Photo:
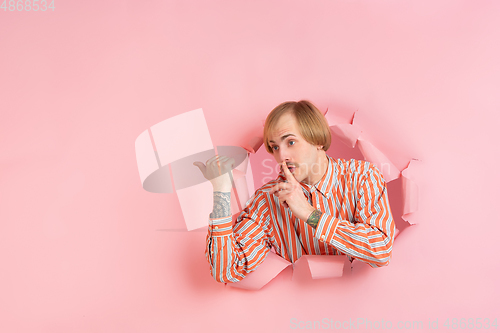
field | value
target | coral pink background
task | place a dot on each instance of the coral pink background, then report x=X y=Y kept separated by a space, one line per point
x=81 y=243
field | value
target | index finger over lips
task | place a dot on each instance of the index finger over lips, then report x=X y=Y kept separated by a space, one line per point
x=289 y=177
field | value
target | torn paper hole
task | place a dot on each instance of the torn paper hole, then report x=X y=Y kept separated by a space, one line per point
x=347 y=132
x=305 y=268
x=267 y=270
x=158 y=156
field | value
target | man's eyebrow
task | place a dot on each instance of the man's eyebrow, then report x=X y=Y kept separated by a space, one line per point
x=283 y=137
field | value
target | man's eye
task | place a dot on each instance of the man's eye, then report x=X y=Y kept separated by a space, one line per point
x=274 y=148
x=291 y=142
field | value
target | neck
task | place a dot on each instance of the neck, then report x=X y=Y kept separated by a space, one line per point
x=317 y=171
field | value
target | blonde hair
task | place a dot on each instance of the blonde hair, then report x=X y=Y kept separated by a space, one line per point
x=313 y=126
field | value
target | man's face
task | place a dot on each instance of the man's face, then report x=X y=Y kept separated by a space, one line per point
x=288 y=145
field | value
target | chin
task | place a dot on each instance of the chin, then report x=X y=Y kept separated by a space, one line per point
x=297 y=177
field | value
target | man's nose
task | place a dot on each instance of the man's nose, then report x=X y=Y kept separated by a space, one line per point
x=284 y=156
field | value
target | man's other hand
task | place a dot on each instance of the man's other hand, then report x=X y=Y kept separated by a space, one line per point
x=291 y=195
x=217 y=171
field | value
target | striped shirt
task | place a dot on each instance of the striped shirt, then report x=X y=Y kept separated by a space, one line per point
x=356 y=221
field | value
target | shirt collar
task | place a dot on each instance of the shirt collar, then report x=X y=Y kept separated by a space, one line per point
x=326 y=183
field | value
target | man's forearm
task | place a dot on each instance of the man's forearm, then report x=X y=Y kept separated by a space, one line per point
x=314 y=218
x=222 y=205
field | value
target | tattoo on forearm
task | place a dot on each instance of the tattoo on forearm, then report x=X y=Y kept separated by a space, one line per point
x=222 y=205
x=313 y=219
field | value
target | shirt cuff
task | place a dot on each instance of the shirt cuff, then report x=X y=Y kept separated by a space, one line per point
x=326 y=228
x=220 y=227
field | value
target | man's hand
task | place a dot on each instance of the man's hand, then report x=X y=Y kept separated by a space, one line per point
x=217 y=171
x=291 y=195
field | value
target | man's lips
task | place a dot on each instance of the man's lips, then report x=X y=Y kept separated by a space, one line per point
x=290 y=167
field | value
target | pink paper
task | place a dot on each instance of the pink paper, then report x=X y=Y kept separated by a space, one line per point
x=243 y=181
x=322 y=267
x=410 y=193
x=254 y=144
x=181 y=136
x=80 y=83
x=145 y=155
x=396 y=233
x=372 y=154
x=154 y=177
x=241 y=186
x=346 y=131
x=333 y=119
x=318 y=267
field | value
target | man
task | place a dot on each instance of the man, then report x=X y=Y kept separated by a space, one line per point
x=317 y=206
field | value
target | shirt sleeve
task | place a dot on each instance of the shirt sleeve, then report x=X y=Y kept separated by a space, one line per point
x=370 y=237
x=235 y=251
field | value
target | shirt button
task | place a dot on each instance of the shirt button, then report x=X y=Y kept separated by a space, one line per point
x=323 y=237
x=318 y=206
x=216 y=227
x=328 y=195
